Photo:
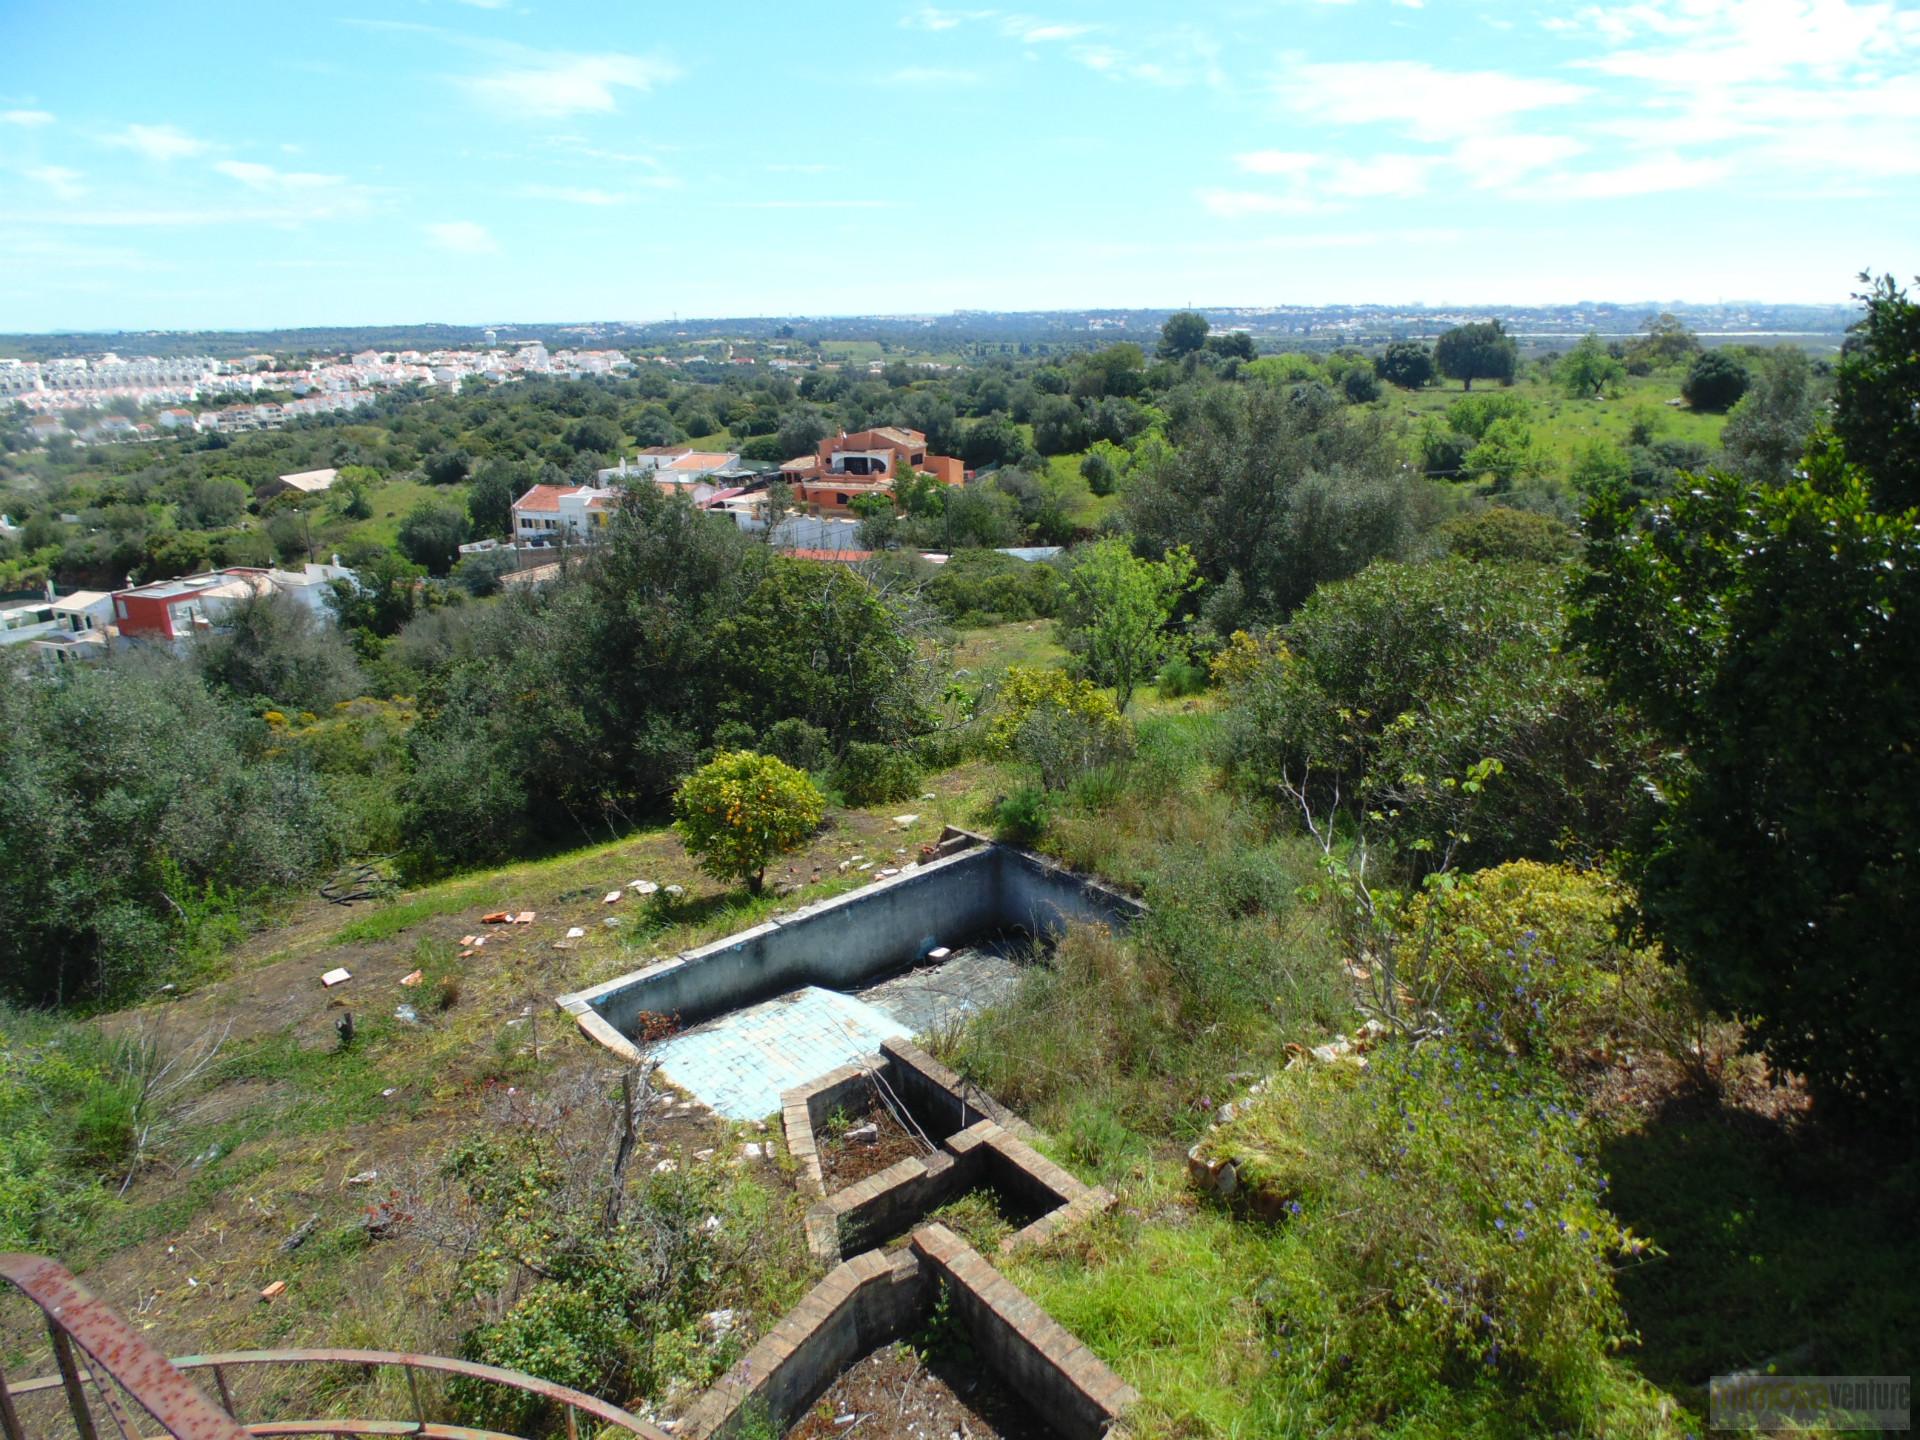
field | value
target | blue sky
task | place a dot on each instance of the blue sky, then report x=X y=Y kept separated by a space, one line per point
x=222 y=164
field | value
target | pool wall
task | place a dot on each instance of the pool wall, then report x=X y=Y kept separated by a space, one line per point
x=979 y=890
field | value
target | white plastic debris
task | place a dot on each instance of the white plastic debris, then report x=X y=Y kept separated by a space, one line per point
x=613 y=896
x=574 y=932
x=338 y=976
x=904 y=820
x=939 y=952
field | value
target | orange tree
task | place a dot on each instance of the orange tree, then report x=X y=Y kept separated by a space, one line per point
x=741 y=809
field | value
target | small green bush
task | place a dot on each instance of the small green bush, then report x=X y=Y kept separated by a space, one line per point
x=870 y=773
x=1021 y=815
x=799 y=744
x=1180 y=677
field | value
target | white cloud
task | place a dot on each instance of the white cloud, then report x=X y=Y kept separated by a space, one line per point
x=63 y=182
x=158 y=142
x=930 y=18
x=554 y=85
x=812 y=204
x=576 y=195
x=266 y=178
x=1276 y=162
x=1425 y=101
x=463 y=237
x=1654 y=176
x=1380 y=175
x=1029 y=31
x=1492 y=161
x=1237 y=204
x=26 y=117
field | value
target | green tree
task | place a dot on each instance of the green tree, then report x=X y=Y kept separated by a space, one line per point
x=1715 y=381
x=741 y=810
x=1117 y=609
x=1507 y=454
x=1272 y=496
x=270 y=647
x=1766 y=433
x=1407 y=364
x=447 y=467
x=1394 y=684
x=1664 y=341
x=594 y=435
x=1098 y=470
x=1771 y=636
x=1183 y=333
x=1480 y=351
x=432 y=535
x=1874 y=413
x=1589 y=371
x=496 y=485
x=801 y=430
x=135 y=813
x=214 y=502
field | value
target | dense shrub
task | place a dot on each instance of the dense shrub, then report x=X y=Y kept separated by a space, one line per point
x=984 y=587
x=1501 y=533
x=1025 y=689
x=803 y=746
x=1528 y=956
x=870 y=773
x=1444 y=1232
x=1399 y=681
x=137 y=816
x=1715 y=381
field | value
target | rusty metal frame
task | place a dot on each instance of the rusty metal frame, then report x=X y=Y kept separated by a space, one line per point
x=118 y=1353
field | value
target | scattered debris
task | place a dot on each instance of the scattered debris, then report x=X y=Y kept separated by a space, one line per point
x=890 y=870
x=864 y=865
x=929 y=796
x=299 y=1236
x=676 y=891
x=525 y=917
x=406 y=1014
x=665 y=1167
x=414 y=979
x=274 y=1291
x=337 y=976
x=904 y=820
x=467 y=954
x=343 y=1027
x=719 y=1323
x=389 y=1092
x=642 y=887
x=751 y=1151
x=939 y=952
x=468 y=939
x=498 y=917
x=868 y=1134
x=575 y=932
x=611 y=921
x=365 y=1177
x=615 y=896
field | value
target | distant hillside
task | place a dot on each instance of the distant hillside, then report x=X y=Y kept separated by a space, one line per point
x=1290 y=326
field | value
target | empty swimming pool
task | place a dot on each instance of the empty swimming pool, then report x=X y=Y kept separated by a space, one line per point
x=771 y=1007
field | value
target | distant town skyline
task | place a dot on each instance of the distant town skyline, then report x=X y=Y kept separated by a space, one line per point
x=460 y=160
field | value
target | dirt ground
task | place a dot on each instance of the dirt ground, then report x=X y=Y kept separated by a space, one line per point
x=845 y=1162
x=895 y=1395
x=287 y=1125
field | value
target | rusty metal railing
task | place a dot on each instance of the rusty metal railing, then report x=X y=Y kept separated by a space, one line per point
x=120 y=1359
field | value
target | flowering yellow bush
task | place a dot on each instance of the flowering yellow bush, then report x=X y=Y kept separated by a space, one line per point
x=737 y=812
x=1028 y=688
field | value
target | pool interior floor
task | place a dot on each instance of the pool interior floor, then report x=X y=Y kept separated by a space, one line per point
x=738 y=1063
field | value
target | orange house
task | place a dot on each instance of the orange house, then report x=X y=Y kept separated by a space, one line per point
x=867 y=462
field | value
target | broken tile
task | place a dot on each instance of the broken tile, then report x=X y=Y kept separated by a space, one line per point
x=525 y=917
x=274 y=1291
x=574 y=932
x=334 y=977
x=414 y=979
x=613 y=896
x=498 y=917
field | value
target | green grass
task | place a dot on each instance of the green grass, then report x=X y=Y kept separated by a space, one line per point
x=987 y=652
x=391 y=502
x=1562 y=426
x=1083 y=505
